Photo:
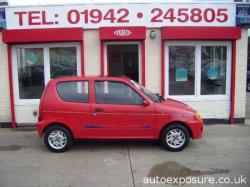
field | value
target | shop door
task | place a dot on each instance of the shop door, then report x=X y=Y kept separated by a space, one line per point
x=123 y=60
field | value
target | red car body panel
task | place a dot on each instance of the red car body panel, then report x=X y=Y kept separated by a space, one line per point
x=115 y=121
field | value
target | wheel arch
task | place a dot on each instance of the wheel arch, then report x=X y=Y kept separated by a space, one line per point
x=58 y=124
x=176 y=122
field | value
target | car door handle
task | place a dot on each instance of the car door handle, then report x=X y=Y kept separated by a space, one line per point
x=99 y=109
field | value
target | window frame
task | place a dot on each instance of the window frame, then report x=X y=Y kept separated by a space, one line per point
x=116 y=103
x=46 y=62
x=197 y=88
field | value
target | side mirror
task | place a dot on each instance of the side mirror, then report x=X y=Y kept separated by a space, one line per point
x=145 y=103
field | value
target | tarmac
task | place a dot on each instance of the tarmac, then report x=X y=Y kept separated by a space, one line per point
x=224 y=151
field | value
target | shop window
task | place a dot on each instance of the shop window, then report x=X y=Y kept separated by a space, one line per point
x=34 y=65
x=181 y=70
x=213 y=70
x=30 y=73
x=198 y=70
x=108 y=92
x=74 y=91
x=63 y=61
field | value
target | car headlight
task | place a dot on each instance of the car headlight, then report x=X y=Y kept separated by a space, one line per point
x=197 y=117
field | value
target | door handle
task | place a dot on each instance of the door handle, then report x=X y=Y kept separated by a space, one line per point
x=99 y=109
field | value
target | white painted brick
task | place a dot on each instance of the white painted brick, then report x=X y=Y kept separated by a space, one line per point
x=92 y=57
x=5 y=114
x=24 y=113
x=153 y=61
x=241 y=70
x=208 y=110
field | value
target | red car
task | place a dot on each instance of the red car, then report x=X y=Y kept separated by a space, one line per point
x=112 y=108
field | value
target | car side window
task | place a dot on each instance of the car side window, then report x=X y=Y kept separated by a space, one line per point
x=111 y=92
x=74 y=91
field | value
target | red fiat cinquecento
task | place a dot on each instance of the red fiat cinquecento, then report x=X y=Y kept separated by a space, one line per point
x=112 y=108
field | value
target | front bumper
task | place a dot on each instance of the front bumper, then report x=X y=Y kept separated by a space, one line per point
x=196 y=128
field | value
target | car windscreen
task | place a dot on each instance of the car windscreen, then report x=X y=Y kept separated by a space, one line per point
x=155 y=97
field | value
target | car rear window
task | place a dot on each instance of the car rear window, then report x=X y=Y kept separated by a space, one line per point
x=74 y=91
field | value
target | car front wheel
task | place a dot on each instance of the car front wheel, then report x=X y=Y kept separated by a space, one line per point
x=57 y=138
x=175 y=137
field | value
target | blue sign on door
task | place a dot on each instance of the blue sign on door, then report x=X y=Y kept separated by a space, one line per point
x=243 y=14
x=2 y=18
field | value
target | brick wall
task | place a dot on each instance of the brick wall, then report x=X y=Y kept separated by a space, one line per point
x=153 y=61
x=207 y=109
x=92 y=55
x=241 y=71
x=5 y=114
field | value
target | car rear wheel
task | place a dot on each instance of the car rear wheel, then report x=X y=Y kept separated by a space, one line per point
x=175 y=137
x=58 y=138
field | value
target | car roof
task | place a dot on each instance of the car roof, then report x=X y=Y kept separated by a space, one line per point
x=74 y=78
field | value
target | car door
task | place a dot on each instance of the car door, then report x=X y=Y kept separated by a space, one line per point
x=74 y=108
x=119 y=112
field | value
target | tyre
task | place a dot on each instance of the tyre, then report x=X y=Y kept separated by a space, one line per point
x=58 y=138
x=175 y=137
x=248 y=85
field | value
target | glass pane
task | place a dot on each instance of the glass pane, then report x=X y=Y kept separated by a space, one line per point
x=181 y=70
x=213 y=70
x=77 y=91
x=63 y=61
x=123 y=60
x=115 y=93
x=30 y=72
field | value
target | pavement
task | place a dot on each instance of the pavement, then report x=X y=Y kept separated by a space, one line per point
x=224 y=151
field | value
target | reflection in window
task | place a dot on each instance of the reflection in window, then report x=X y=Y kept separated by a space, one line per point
x=77 y=91
x=116 y=93
x=30 y=66
x=213 y=70
x=181 y=70
x=63 y=61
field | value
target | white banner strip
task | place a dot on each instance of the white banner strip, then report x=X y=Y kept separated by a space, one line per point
x=111 y=15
